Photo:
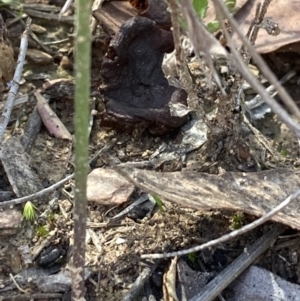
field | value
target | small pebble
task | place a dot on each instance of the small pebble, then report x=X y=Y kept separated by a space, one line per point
x=65 y=63
x=39 y=57
x=38 y=29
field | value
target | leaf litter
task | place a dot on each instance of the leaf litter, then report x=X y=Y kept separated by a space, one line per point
x=114 y=253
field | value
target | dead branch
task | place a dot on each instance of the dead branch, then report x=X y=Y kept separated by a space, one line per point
x=37 y=195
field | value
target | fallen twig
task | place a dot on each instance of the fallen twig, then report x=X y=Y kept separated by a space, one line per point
x=231 y=235
x=37 y=194
x=28 y=297
x=16 y=284
x=139 y=282
x=51 y=17
x=65 y=8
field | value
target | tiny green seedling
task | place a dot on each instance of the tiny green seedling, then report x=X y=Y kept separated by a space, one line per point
x=42 y=231
x=29 y=211
x=192 y=257
x=283 y=152
x=201 y=7
x=237 y=221
x=159 y=203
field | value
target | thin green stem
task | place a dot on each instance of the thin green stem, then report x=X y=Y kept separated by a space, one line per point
x=82 y=67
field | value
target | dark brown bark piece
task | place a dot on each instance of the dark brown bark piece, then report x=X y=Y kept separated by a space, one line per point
x=135 y=90
x=60 y=89
x=32 y=128
x=111 y=15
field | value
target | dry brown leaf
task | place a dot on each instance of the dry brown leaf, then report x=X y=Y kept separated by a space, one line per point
x=254 y=193
x=39 y=57
x=285 y=13
x=169 y=283
x=50 y=119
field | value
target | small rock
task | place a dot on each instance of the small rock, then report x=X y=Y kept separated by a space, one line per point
x=39 y=57
x=25 y=254
x=38 y=29
x=107 y=187
x=15 y=262
x=120 y=241
x=65 y=63
x=10 y=222
x=259 y=284
x=29 y=233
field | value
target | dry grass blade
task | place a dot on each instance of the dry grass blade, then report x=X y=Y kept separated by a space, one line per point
x=203 y=41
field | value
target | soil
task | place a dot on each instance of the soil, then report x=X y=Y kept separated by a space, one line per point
x=114 y=255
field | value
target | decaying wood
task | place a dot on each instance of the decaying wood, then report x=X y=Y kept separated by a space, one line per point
x=111 y=15
x=31 y=130
x=140 y=282
x=16 y=163
x=253 y=193
x=5 y=195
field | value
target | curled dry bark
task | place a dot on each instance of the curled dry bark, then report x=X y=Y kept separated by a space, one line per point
x=136 y=92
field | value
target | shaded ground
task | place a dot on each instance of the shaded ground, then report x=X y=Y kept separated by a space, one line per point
x=114 y=257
